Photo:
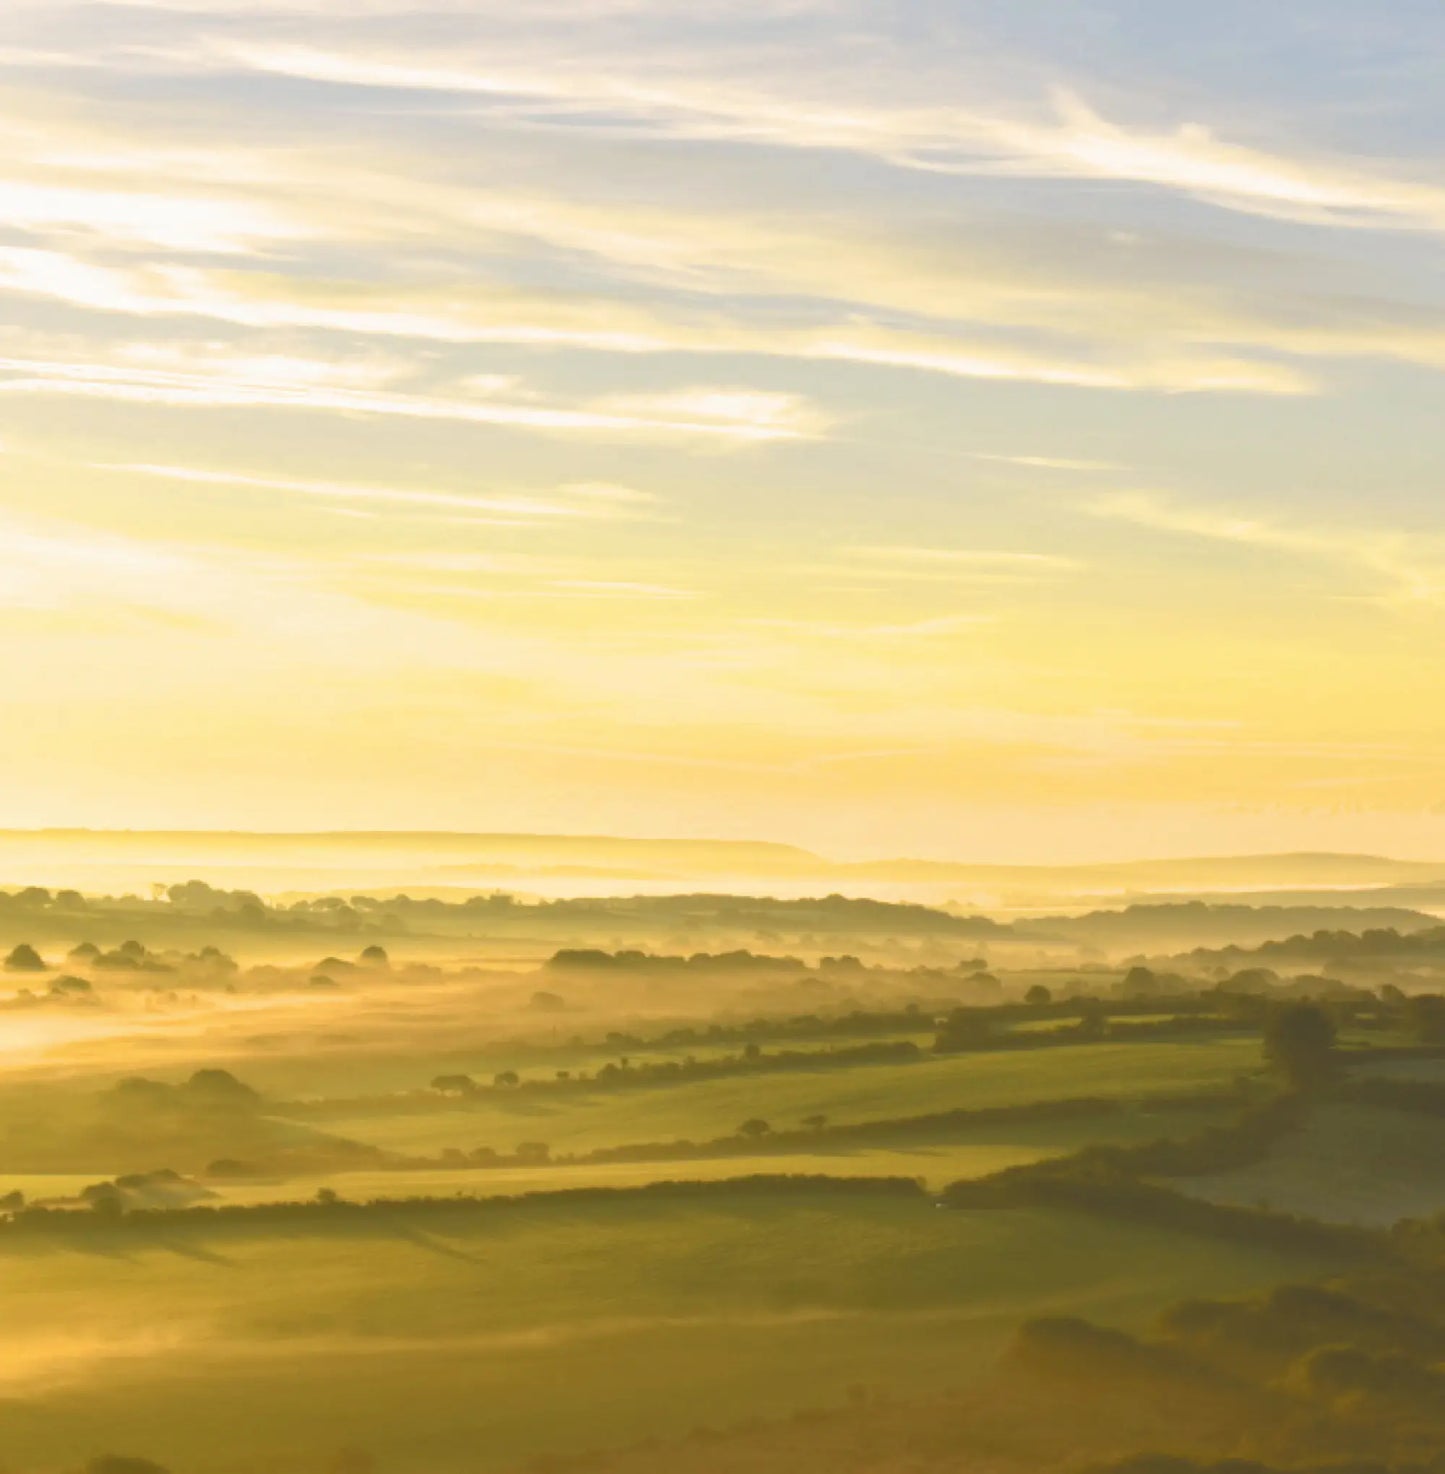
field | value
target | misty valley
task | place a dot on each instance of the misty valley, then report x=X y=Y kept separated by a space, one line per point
x=718 y=1181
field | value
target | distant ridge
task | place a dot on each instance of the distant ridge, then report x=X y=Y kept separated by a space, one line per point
x=1304 y=867
x=398 y=858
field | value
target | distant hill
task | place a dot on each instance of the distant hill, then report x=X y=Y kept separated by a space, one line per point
x=1234 y=872
x=563 y=864
x=1429 y=897
x=1180 y=925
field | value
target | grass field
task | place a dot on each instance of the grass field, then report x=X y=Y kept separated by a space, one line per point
x=554 y=1325
x=580 y=1120
x=467 y=1340
x=1427 y=1071
x=969 y=1152
x=1345 y=1164
x=348 y=1070
x=975 y=1152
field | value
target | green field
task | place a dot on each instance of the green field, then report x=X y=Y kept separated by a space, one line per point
x=974 y=1152
x=1345 y=1164
x=581 y=1120
x=1426 y=1071
x=357 y=1075
x=471 y=1345
x=466 y=1337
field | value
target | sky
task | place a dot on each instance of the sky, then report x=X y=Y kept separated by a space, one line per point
x=958 y=428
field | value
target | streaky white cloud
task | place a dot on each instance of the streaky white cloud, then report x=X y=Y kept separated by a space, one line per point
x=1045 y=463
x=1412 y=574
x=571 y=503
x=975 y=559
x=278 y=305
x=1192 y=160
x=1168 y=374
x=723 y=418
x=767 y=415
x=171 y=221
x=1078 y=143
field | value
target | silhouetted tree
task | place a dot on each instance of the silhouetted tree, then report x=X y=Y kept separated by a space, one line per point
x=1139 y=982
x=24 y=958
x=1093 y=1021
x=1425 y=1017
x=965 y=1028
x=1299 y=1041
x=1253 y=980
x=106 y=1200
x=454 y=1085
x=755 y=1126
x=1038 y=996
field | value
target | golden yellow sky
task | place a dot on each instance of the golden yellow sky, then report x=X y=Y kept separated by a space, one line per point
x=892 y=429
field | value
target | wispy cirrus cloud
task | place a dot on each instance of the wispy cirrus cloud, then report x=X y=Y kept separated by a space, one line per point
x=272 y=304
x=1412 y=574
x=1077 y=142
x=718 y=415
x=1045 y=463
x=935 y=562
x=169 y=221
x=580 y=502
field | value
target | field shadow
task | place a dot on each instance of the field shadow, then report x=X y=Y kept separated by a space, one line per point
x=410 y=1234
x=200 y=1252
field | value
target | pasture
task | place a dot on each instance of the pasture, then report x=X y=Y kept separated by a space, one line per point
x=1344 y=1164
x=966 y=1153
x=216 y=1346
x=580 y=1119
